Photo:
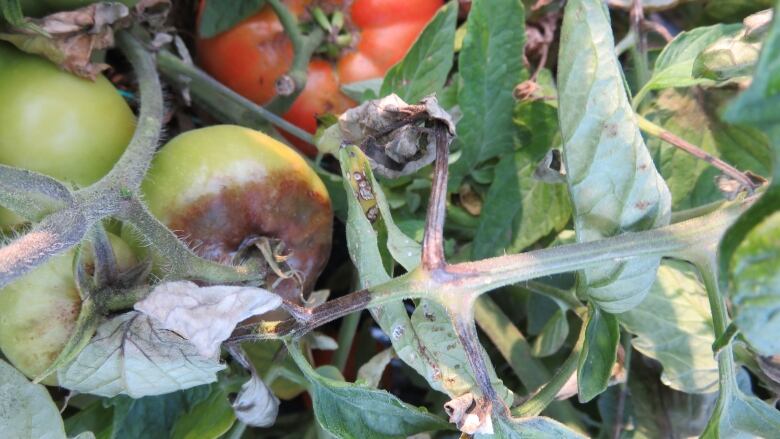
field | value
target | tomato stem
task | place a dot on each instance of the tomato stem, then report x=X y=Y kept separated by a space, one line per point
x=226 y=104
x=303 y=46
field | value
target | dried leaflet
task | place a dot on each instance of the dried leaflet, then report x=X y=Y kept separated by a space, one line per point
x=397 y=137
x=205 y=315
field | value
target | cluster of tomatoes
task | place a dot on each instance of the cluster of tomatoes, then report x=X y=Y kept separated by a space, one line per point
x=218 y=187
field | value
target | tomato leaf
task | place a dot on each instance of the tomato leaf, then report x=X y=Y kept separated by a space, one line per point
x=150 y=416
x=220 y=15
x=537 y=427
x=612 y=181
x=491 y=65
x=349 y=410
x=674 y=66
x=738 y=414
x=756 y=286
x=733 y=55
x=26 y=409
x=426 y=65
x=206 y=316
x=520 y=209
x=553 y=335
x=694 y=117
x=599 y=353
x=674 y=326
x=208 y=419
x=132 y=355
x=757 y=106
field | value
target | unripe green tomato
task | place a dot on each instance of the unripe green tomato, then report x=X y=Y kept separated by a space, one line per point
x=38 y=8
x=58 y=124
x=39 y=310
x=219 y=186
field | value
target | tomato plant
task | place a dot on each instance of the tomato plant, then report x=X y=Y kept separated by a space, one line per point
x=596 y=225
x=251 y=56
x=58 y=124
x=38 y=311
x=223 y=186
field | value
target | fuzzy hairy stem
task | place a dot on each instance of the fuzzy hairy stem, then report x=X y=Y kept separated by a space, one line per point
x=56 y=234
x=30 y=194
x=129 y=171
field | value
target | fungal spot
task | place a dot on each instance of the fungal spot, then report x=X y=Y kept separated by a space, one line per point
x=398 y=332
x=642 y=205
x=372 y=214
x=610 y=129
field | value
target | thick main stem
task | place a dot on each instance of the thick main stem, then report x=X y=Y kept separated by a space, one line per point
x=489 y=274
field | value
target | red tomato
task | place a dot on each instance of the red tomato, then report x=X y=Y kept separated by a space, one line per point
x=250 y=57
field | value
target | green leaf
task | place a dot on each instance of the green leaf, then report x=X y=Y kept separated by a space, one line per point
x=674 y=326
x=694 y=117
x=553 y=335
x=349 y=410
x=153 y=416
x=26 y=409
x=757 y=106
x=674 y=66
x=288 y=381
x=452 y=373
x=738 y=415
x=491 y=65
x=494 y=232
x=131 y=355
x=612 y=181
x=537 y=427
x=755 y=294
x=730 y=56
x=362 y=91
x=659 y=411
x=220 y=15
x=599 y=353
x=426 y=65
x=209 y=419
x=506 y=225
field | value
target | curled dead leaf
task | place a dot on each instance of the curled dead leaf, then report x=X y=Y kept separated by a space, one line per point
x=68 y=38
x=396 y=137
x=206 y=316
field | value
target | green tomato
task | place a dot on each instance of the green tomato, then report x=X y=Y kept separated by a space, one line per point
x=39 y=310
x=58 y=124
x=220 y=186
x=38 y=8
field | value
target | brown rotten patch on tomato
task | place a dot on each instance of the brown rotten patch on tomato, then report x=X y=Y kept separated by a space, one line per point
x=282 y=207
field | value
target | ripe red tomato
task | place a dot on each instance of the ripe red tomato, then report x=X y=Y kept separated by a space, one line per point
x=221 y=186
x=250 y=57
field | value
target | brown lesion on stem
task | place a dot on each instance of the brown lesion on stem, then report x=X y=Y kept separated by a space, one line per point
x=433 y=241
x=463 y=323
